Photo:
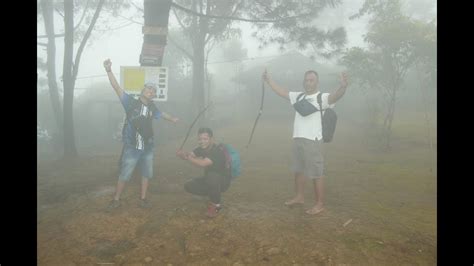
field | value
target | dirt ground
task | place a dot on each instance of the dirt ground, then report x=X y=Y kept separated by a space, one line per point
x=380 y=207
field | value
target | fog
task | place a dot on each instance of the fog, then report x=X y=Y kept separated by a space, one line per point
x=123 y=46
x=365 y=167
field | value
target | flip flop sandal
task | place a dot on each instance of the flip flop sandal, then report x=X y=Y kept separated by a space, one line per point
x=314 y=212
x=292 y=204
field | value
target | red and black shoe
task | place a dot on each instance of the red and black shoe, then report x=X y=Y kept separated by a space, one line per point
x=213 y=210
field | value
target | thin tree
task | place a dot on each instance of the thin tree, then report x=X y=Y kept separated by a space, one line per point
x=48 y=18
x=70 y=70
x=392 y=39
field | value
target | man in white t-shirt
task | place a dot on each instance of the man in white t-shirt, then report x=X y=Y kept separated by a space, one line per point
x=307 y=136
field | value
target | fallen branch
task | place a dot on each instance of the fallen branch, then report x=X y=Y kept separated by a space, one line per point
x=346 y=223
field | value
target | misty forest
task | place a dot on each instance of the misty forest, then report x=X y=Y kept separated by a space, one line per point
x=222 y=59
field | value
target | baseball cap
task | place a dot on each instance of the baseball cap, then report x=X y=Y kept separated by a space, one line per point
x=150 y=85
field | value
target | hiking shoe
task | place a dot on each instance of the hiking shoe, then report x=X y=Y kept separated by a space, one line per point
x=212 y=210
x=114 y=204
x=144 y=204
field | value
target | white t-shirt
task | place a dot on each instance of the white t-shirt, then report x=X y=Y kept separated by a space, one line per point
x=309 y=127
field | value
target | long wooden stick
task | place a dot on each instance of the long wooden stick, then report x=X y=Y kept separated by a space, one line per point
x=189 y=130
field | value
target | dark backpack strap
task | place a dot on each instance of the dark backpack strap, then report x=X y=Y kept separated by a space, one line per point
x=131 y=106
x=299 y=96
x=152 y=107
x=320 y=102
x=137 y=103
x=227 y=158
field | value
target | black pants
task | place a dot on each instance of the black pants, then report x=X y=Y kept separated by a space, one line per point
x=211 y=185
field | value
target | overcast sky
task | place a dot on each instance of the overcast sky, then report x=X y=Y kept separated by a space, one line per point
x=123 y=46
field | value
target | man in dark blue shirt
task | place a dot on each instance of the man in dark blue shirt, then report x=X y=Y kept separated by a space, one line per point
x=137 y=136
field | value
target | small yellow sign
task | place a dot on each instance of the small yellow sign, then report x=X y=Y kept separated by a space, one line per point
x=133 y=78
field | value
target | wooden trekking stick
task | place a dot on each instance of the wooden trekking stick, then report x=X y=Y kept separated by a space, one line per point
x=189 y=130
x=259 y=113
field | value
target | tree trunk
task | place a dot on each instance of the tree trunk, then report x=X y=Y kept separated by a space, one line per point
x=389 y=118
x=425 y=106
x=68 y=81
x=48 y=15
x=199 y=44
x=70 y=70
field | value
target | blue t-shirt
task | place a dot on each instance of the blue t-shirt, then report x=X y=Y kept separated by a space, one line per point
x=139 y=116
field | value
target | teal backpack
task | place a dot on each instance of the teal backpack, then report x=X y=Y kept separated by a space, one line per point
x=232 y=160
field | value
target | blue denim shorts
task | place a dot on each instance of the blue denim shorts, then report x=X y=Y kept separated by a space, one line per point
x=132 y=157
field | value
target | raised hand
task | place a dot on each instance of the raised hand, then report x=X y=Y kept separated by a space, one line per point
x=265 y=76
x=108 y=65
x=182 y=154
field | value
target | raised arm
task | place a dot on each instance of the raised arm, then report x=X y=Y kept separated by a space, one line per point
x=113 y=81
x=169 y=117
x=275 y=87
x=339 y=92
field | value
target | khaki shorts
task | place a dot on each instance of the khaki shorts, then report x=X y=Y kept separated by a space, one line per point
x=308 y=157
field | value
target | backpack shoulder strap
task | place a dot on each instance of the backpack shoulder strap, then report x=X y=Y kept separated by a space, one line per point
x=299 y=96
x=152 y=106
x=320 y=100
x=221 y=147
x=228 y=160
x=132 y=105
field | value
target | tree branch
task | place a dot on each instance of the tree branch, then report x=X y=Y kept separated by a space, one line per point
x=59 y=12
x=209 y=50
x=188 y=54
x=84 y=39
x=83 y=15
x=236 y=18
x=46 y=36
x=179 y=20
x=116 y=28
x=205 y=24
x=137 y=7
x=266 y=7
x=131 y=20
x=75 y=27
x=208 y=38
x=237 y=7
x=194 y=24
